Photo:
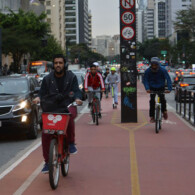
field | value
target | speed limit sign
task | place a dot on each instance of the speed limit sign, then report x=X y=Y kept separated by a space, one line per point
x=128 y=17
x=127 y=4
x=128 y=33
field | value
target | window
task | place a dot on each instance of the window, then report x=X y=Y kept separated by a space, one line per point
x=48 y=11
x=70 y=20
x=71 y=8
x=70 y=14
x=48 y=3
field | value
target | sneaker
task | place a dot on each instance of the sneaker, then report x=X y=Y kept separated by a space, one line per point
x=152 y=120
x=72 y=149
x=45 y=168
x=116 y=103
x=165 y=115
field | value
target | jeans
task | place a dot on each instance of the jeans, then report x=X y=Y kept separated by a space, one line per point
x=152 y=101
x=46 y=138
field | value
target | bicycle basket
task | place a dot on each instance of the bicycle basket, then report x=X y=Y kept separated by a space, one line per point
x=55 y=122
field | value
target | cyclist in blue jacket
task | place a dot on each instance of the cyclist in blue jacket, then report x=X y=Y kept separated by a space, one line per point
x=154 y=80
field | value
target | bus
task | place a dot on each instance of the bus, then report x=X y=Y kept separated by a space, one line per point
x=38 y=67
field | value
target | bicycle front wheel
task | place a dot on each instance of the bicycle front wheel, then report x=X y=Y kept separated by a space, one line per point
x=96 y=114
x=65 y=165
x=157 y=121
x=54 y=167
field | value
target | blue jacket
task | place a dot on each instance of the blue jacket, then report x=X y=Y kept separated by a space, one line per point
x=157 y=79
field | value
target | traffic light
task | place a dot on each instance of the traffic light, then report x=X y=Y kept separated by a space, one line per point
x=164 y=55
x=183 y=62
x=143 y=58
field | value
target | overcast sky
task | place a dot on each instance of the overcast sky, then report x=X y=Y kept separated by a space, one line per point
x=105 y=17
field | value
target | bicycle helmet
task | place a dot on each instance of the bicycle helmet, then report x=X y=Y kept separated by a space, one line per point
x=113 y=69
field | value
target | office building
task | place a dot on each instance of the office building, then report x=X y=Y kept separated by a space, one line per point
x=139 y=25
x=76 y=21
x=90 y=29
x=55 y=11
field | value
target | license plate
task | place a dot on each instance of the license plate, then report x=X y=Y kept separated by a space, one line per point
x=0 y=124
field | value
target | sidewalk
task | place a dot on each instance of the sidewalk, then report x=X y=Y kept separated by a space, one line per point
x=117 y=159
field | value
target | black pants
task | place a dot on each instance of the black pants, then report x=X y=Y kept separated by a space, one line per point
x=152 y=101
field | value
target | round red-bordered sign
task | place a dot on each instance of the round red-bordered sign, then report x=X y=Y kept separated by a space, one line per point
x=127 y=4
x=128 y=17
x=128 y=32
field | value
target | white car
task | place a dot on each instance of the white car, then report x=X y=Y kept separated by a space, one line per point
x=42 y=75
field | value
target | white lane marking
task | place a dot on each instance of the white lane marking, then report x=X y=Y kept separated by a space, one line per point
x=169 y=122
x=29 y=180
x=32 y=177
x=9 y=169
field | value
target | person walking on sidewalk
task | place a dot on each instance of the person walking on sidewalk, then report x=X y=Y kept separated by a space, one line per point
x=154 y=80
x=94 y=82
x=59 y=84
x=113 y=79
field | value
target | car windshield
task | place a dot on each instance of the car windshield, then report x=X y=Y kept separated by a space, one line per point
x=11 y=87
x=189 y=80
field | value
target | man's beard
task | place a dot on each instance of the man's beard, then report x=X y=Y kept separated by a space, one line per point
x=59 y=72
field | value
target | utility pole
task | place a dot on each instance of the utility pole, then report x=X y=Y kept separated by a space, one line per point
x=128 y=61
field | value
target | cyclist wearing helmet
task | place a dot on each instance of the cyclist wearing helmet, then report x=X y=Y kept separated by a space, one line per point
x=94 y=82
x=113 y=78
x=154 y=80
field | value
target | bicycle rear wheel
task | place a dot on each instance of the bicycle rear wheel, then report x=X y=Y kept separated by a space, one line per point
x=54 y=167
x=157 y=121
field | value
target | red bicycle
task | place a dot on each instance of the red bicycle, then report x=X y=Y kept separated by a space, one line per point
x=56 y=125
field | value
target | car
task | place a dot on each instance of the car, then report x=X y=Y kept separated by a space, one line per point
x=42 y=75
x=186 y=82
x=17 y=110
x=80 y=77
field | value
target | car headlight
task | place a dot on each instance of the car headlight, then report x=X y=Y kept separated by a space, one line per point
x=20 y=106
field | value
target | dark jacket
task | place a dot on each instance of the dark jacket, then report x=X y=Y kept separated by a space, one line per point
x=54 y=101
x=157 y=79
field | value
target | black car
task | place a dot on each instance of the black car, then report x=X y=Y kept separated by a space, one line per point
x=187 y=82
x=16 y=107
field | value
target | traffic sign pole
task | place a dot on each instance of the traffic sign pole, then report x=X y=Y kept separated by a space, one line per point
x=128 y=61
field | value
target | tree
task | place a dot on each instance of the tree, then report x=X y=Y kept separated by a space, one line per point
x=185 y=21
x=84 y=54
x=21 y=34
x=49 y=50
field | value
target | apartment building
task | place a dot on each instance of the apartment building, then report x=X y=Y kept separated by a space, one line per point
x=77 y=21
x=90 y=29
x=55 y=11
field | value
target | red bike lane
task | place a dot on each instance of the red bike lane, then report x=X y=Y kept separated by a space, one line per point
x=115 y=158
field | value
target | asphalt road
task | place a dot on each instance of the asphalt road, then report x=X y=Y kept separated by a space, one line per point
x=14 y=144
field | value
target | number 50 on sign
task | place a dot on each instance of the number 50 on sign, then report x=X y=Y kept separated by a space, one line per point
x=128 y=18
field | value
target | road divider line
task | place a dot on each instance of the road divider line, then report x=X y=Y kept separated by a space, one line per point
x=9 y=169
x=29 y=180
x=135 y=187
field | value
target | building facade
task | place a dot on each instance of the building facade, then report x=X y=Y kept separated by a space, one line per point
x=55 y=11
x=106 y=45
x=14 y=5
x=90 y=29
x=76 y=21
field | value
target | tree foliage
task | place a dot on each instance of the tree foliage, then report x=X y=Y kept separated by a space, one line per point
x=84 y=54
x=185 y=21
x=22 y=33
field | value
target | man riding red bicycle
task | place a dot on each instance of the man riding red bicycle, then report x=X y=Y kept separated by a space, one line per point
x=59 y=86
x=94 y=82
